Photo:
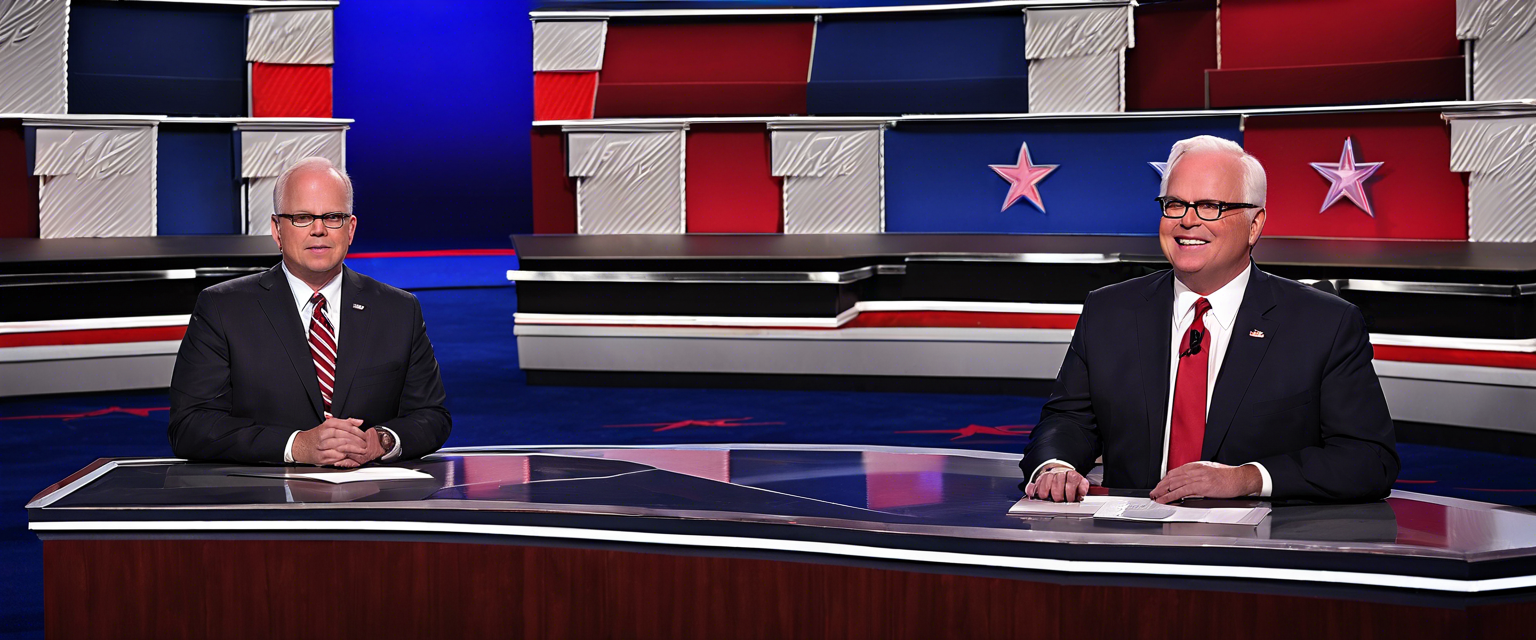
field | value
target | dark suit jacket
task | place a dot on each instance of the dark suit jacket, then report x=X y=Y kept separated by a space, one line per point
x=244 y=379
x=1303 y=400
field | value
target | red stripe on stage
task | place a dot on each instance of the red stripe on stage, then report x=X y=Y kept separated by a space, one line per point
x=1430 y=355
x=445 y=253
x=963 y=320
x=92 y=336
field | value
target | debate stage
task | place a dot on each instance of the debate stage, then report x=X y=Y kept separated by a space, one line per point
x=743 y=541
x=1453 y=324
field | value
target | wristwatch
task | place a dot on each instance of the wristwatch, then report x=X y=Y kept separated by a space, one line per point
x=386 y=440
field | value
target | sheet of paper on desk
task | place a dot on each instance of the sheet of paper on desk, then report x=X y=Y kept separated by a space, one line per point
x=365 y=474
x=1089 y=506
x=1143 y=509
x=1138 y=509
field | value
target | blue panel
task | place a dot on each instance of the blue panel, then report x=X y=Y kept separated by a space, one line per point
x=440 y=152
x=928 y=63
x=199 y=184
x=134 y=57
x=937 y=178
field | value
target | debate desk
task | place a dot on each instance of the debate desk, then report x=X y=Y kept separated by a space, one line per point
x=742 y=541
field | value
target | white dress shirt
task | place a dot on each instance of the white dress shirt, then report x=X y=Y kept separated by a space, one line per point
x=302 y=293
x=1218 y=324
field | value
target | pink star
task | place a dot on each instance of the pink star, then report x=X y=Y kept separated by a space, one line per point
x=1022 y=177
x=1347 y=178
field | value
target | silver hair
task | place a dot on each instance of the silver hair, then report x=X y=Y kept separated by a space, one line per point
x=310 y=163
x=1255 y=184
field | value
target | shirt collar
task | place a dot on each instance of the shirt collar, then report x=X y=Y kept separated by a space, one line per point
x=1224 y=301
x=302 y=293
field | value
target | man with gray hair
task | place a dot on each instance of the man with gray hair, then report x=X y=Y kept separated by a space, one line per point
x=266 y=373
x=1215 y=379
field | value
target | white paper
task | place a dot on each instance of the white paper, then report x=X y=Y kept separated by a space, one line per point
x=1146 y=510
x=1137 y=509
x=365 y=474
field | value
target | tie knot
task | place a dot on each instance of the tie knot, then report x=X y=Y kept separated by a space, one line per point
x=1201 y=306
x=319 y=300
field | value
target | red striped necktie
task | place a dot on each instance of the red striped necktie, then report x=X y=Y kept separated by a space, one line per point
x=1186 y=429
x=322 y=349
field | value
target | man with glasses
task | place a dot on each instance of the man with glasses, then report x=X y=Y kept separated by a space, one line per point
x=1215 y=379
x=309 y=362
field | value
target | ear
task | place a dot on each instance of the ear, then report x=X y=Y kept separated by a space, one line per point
x=275 y=237
x=1256 y=227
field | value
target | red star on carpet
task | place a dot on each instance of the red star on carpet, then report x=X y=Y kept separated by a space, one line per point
x=668 y=426
x=142 y=412
x=976 y=430
x=1022 y=177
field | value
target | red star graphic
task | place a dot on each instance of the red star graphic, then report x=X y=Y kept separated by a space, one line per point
x=142 y=412
x=668 y=426
x=976 y=429
x=1022 y=177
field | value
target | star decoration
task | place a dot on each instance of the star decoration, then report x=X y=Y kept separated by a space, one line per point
x=976 y=429
x=1160 y=167
x=1347 y=178
x=1022 y=178
x=716 y=422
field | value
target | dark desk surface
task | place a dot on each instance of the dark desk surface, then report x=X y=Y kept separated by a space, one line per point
x=917 y=505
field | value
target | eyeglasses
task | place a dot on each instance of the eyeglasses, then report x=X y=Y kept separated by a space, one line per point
x=1207 y=210
x=333 y=220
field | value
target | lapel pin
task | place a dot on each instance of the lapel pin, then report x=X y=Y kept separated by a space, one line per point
x=360 y=308
x=1255 y=334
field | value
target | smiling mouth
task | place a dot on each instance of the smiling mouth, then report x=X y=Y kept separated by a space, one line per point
x=1191 y=242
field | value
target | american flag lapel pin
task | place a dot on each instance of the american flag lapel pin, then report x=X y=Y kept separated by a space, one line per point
x=1255 y=334
x=360 y=308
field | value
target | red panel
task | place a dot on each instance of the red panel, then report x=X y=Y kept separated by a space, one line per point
x=1294 y=33
x=554 y=194
x=1399 y=81
x=564 y=96
x=18 y=189
x=1414 y=195
x=290 y=90
x=731 y=188
x=706 y=68
x=1175 y=44
x=93 y=336
x=1469 y=357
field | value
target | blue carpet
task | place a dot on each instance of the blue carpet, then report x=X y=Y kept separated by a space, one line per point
x=42 y=440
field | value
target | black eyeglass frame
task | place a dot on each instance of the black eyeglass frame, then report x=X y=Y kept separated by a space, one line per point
x=1221 y=207
x=324 y=218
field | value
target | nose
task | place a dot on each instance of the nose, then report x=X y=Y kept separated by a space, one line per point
x=1190 y=219
x=318 y=228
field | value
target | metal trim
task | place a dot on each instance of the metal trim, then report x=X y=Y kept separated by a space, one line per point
x=696 y=277
x=96 y=277
x=1433 y=288
x=1031 y=258
x=813 y=11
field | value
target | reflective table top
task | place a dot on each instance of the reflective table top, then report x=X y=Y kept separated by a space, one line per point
x=948 y=493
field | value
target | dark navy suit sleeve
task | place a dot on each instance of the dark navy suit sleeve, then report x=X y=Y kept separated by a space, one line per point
x=424 y=422
x=1357 y=458
x=201 y=427
x=1068 y=429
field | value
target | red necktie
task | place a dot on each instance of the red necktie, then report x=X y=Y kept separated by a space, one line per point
x=1187 y=428
x=322 y=349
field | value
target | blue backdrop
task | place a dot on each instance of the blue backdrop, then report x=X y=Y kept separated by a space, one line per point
x=443 y=97
x=937 y=178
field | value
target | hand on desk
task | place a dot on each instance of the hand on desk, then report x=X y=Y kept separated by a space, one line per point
x=1207 y=480
x=336 y=442
x=1058 y=484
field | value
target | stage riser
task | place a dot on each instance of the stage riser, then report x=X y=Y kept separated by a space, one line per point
x=1477 y=397
x=91 y=374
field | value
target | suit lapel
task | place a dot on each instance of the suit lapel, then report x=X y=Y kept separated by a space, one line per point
x=1244 y=353
x=1154 y=330
x=355 y=324
x=277 y=303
